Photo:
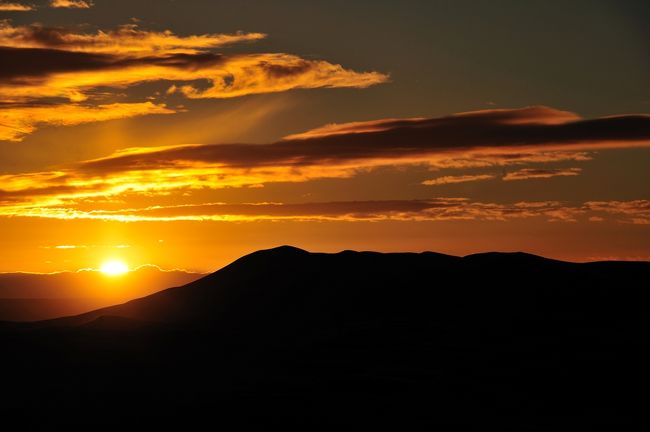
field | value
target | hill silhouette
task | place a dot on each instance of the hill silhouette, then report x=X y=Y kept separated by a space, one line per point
x=291 y=338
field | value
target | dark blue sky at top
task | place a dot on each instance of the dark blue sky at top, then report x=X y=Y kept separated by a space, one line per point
x=587 y=56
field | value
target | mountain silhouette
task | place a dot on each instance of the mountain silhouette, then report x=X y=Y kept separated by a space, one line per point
x=289 y=338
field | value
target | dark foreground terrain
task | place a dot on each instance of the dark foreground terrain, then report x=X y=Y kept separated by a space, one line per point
x=350 y=340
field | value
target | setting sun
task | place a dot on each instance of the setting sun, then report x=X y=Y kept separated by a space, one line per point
x=114 y=268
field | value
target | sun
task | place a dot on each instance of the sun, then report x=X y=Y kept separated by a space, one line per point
x=114 y=268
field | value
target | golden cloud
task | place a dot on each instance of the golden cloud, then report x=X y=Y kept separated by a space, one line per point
x=437 y=209
x=269 y=73
x=541 y=173
x=457 y=179
x=479 y=159
x=15 y=7
x=16 y=122
x=53 y=63
x=127 y=39
x=232 y=76
x=451 y=141
x=521 y=174
x=177 y=169
x=71 y=4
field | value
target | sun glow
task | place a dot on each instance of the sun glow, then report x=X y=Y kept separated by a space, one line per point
x=114 y=268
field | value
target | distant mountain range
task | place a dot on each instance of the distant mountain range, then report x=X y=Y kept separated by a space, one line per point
x=39 y=296
x=290 y=338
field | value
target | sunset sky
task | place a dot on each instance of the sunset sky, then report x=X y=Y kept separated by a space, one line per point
x=184 y=134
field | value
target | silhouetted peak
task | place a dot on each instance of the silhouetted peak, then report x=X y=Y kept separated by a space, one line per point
x=284 y=252
x=278 y=254
x=510 y=257
x=284 y=249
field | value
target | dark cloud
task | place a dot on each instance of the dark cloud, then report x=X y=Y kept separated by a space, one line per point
x=483 y=138
x=20 y=65
x=395 y=140
x=282 y=71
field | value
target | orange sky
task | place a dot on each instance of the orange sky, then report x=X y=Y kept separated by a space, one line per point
x=189 y=147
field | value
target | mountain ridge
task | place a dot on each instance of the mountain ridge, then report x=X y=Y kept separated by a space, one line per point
x=278 y=255
x=298 y=339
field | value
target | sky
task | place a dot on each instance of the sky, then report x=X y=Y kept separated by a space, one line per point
x=184 y=134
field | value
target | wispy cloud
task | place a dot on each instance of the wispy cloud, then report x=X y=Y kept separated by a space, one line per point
x=71 y=4
x=269 y=73
x=433 y=142
x=445 y=137
x=520 y=174
x=497 y=158
x=541 y=173
x=71 y=75
x=637 y=211
x=127 y=39
x=15 y=7
x=19 y=121
x=457 y=179
x=436 y=209
x=63 y=66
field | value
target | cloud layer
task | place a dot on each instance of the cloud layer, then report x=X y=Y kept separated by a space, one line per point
x=486 y=137
x=127 y=39
x=457 y=179
x=482 y=137
x=541 y=173
x=64 y=67
x=56 y=4
x=20 y=121
x=71 y=4
x=15 y=7
x=437 y=209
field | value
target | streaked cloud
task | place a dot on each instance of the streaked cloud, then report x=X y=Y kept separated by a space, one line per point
x=540 y=115
x=452 y=141
x=15 y=7
x=520 y=174
x=482 y=160
x=63 y=66
x=126 y=39
x=541 y=173
x=71 y=4
x=636 y=211
x=269 y=73
x=73 y=75
x=18 y=121
x=436 y=209
x=431 y=142
x=457 y=179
